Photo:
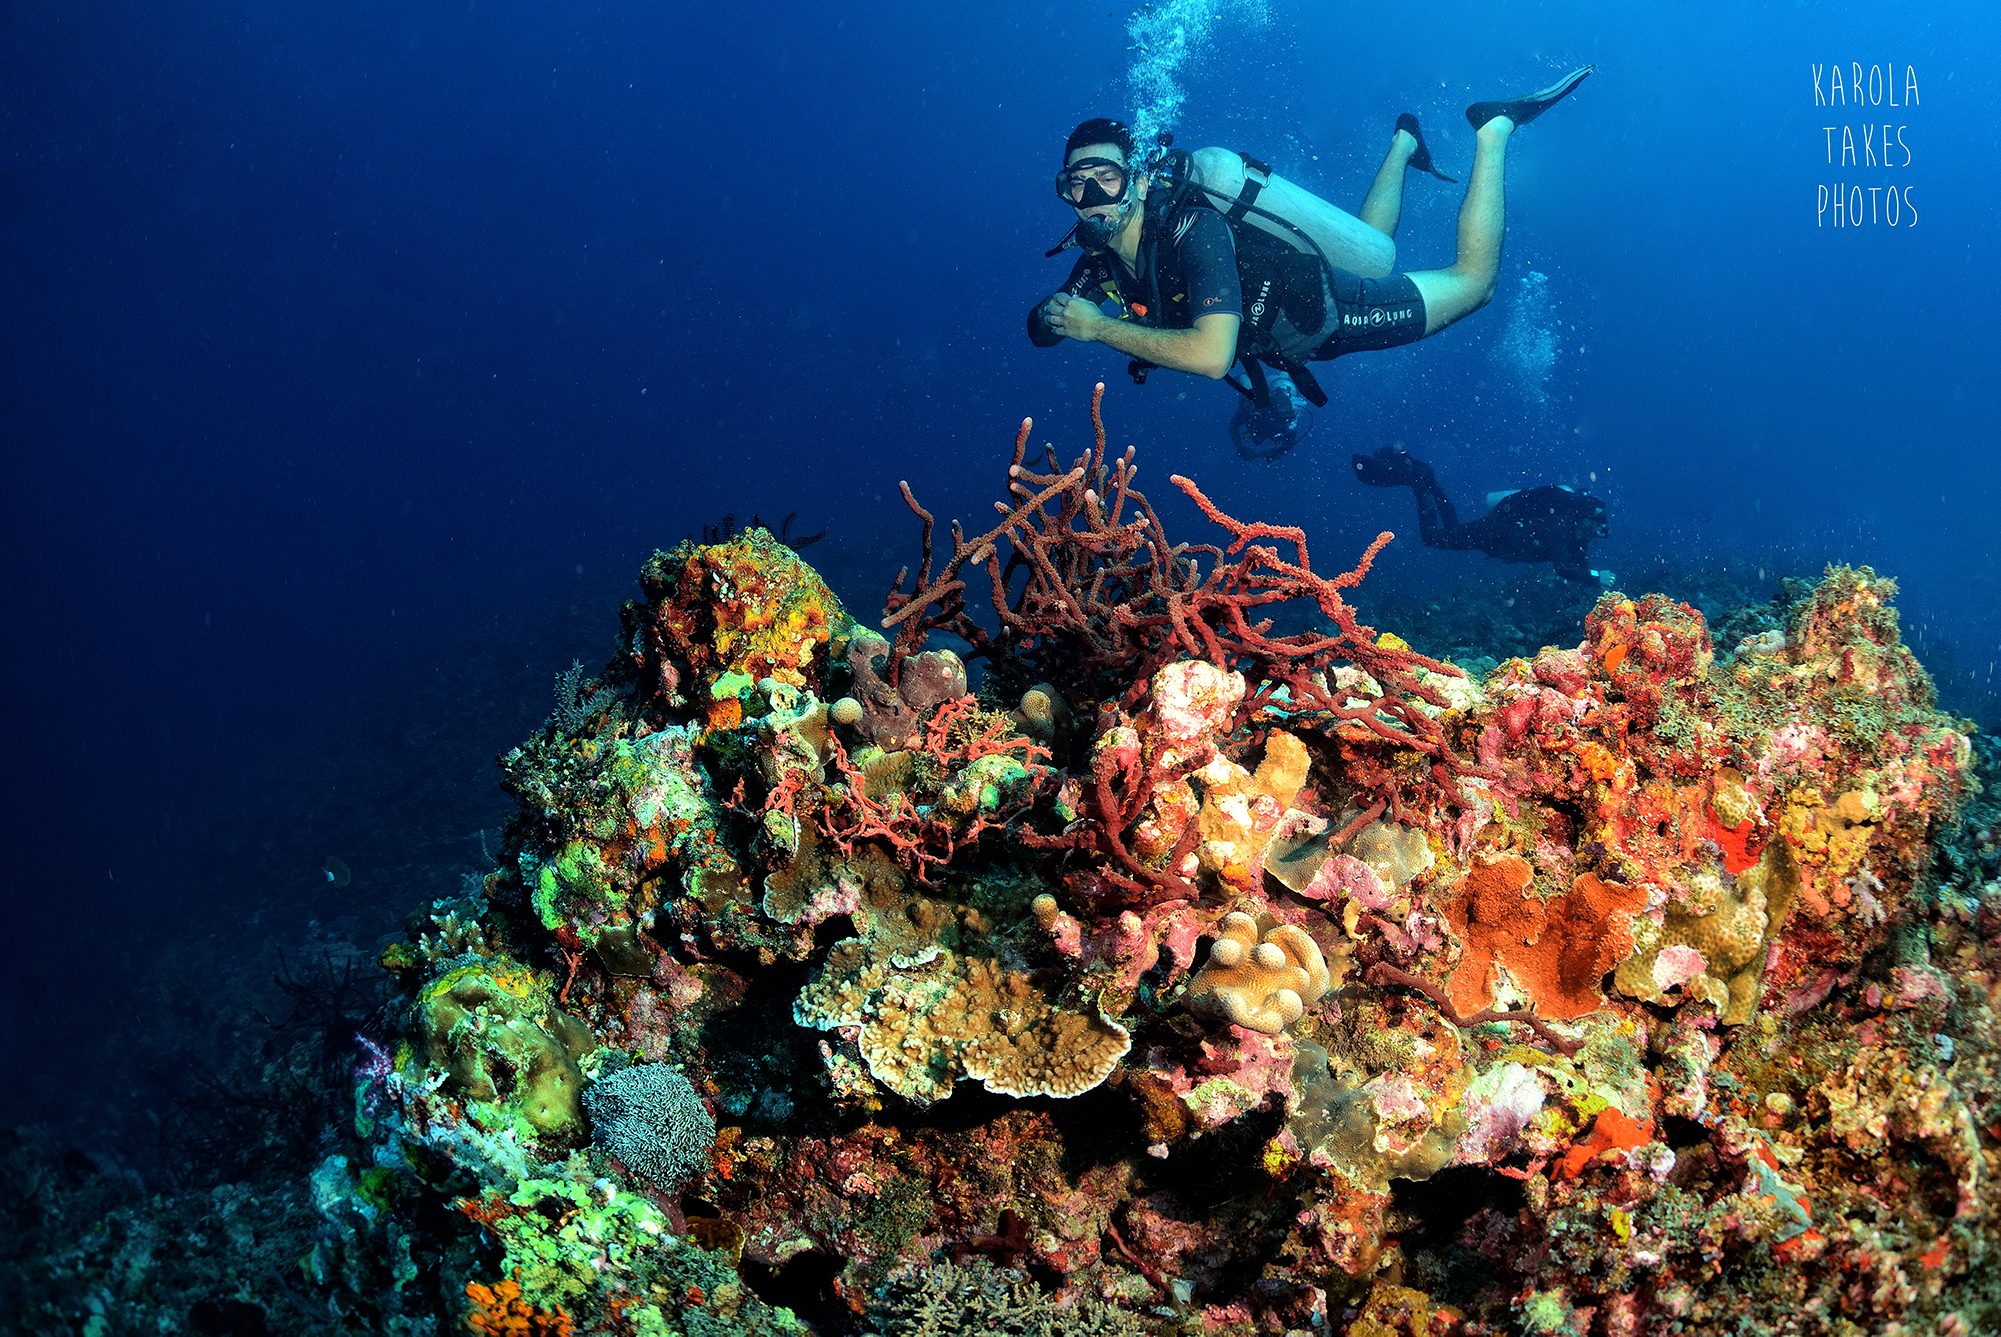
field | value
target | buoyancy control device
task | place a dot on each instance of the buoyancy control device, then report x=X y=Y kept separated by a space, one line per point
x=1246 y=191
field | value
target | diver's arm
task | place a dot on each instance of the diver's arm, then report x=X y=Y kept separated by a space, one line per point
x=1209 y=349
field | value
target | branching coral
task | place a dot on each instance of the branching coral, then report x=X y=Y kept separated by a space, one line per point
x=977 y=1299
x=980 y=776
x=649 y=1116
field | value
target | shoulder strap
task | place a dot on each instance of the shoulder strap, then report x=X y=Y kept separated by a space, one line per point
x=1309 y=387
x=1247 y=198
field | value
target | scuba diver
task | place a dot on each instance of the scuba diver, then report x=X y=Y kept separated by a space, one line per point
x=1538 y=524
x=1207 y=277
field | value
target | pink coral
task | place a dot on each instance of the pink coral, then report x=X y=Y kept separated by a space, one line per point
x=1345 y=876
x=1677 y=965
x=1194 y=700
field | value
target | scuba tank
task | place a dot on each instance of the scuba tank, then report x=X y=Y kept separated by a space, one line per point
x=1245 y=190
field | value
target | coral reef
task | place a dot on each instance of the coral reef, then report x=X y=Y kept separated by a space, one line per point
x=946 y=1299
x=1077 y=953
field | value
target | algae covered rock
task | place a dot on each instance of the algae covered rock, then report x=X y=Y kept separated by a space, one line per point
x=491 y=1031
x=746 y=608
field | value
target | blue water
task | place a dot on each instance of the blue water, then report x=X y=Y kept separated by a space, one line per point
x=338 y=339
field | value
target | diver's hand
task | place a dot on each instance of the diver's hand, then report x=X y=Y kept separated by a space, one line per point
x=1073 y=317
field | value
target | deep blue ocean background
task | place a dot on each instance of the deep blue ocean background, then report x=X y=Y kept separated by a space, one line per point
x=353 y=357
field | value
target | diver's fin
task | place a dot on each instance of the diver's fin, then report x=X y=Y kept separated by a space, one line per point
x=1388 y=467
x=1420 y=158
x=1522 y=110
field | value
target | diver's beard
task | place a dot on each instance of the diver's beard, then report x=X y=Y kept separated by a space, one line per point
x=1096 y=232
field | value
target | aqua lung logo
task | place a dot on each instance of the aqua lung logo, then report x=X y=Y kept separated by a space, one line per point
x=1258 y=303
x=1378 y=316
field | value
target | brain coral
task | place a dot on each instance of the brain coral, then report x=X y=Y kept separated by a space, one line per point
x=649 y=1116
x=1259 y=985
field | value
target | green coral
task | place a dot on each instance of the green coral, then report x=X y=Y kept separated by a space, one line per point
x=1548 y=1314
x=572 y=885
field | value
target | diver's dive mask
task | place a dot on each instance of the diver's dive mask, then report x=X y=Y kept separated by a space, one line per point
x=1092 y=183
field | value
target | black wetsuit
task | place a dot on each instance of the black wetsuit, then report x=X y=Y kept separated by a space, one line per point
x=1201 y=258
x=1540 y=524
x=1294 y=310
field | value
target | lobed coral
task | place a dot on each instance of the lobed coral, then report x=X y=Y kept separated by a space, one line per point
x=1260 y=981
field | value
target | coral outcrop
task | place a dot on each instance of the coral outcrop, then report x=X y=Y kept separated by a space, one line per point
x=925 y=1019
x=1077 y=948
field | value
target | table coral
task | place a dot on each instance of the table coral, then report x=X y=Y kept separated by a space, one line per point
x=928 y=1018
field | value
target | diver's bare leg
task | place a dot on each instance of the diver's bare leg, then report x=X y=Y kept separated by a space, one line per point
x=1382 y=207
x=1469 y=284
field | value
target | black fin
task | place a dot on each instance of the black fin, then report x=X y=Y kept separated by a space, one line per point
x=1524 y=109
x=1420 y=158
x=1388 y=467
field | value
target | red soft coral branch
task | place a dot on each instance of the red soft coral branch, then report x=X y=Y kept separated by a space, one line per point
x=1384 y=973
x=917 y=836
x=1107 y=601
